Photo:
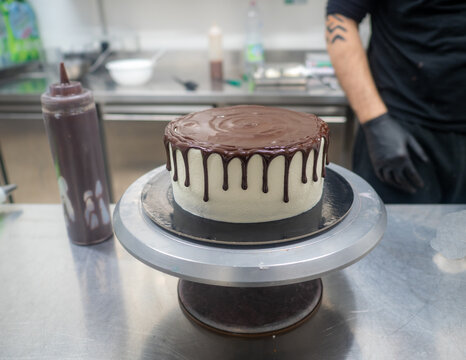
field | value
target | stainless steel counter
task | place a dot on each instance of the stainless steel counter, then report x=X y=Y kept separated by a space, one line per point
x=57 y=300
x=187 y=65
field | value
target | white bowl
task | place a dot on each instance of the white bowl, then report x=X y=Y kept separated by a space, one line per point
x=131 y=71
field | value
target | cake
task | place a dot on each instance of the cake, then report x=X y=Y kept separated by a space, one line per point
x=247 y=164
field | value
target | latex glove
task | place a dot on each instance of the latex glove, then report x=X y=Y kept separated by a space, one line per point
x=389 y=146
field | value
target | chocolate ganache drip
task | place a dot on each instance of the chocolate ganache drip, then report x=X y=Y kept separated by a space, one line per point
x=243 y=131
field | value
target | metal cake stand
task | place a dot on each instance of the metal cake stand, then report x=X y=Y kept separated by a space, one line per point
x=252 y=291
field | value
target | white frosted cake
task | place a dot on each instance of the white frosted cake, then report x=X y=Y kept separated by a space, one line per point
x=247 y=164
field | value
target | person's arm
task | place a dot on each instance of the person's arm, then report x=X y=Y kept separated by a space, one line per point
x=387 y=141
x=351 y=66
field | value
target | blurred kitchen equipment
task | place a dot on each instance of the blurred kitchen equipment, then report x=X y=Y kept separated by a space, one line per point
x=254 y=50
x=319 y=67
x=319 y=64
x=215 y=53
x=317 y=70
x=133 y=71
x=233 y=82
x=87 y=59
x=189 y=84
x=291 y=74
x=5 y=191
x=77 y=65
x=106 y=50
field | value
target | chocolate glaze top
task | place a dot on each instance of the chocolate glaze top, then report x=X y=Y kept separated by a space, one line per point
x=243 y=131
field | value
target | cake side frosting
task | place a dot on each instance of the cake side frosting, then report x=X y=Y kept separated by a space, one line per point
x=237 y=205
x=241 y=132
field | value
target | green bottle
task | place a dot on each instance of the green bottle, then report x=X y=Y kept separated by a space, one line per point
x=22 y=36
x=4 y=54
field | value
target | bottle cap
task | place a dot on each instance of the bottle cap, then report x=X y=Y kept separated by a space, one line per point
x=66 y=95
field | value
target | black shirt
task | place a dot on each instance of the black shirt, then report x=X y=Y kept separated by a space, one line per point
x=417 y=55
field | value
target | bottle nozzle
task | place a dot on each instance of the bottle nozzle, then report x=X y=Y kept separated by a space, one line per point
x=65 y=87
x=63 y=75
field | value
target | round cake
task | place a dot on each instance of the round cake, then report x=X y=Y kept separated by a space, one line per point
x=247 y=164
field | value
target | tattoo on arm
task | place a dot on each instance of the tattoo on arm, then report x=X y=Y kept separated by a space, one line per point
x=335 y=28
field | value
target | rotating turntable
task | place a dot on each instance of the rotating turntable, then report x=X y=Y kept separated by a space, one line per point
x=250 y=288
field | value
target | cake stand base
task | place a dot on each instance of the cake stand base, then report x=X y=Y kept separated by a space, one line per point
x=261 y=289
x=250 y=312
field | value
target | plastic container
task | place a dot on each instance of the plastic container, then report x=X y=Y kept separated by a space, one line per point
x=215 y=53
x=73 y=130
x=254 y=50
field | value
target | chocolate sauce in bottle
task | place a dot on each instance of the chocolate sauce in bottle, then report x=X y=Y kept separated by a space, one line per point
x=73 y=131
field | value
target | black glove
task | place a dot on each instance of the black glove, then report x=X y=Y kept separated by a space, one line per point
x=388 y=146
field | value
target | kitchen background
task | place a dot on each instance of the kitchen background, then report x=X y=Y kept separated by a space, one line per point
x=181 y=24
x=133 y=118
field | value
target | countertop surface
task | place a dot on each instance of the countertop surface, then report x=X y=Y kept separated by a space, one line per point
x=403 y=301
x=191 y=65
